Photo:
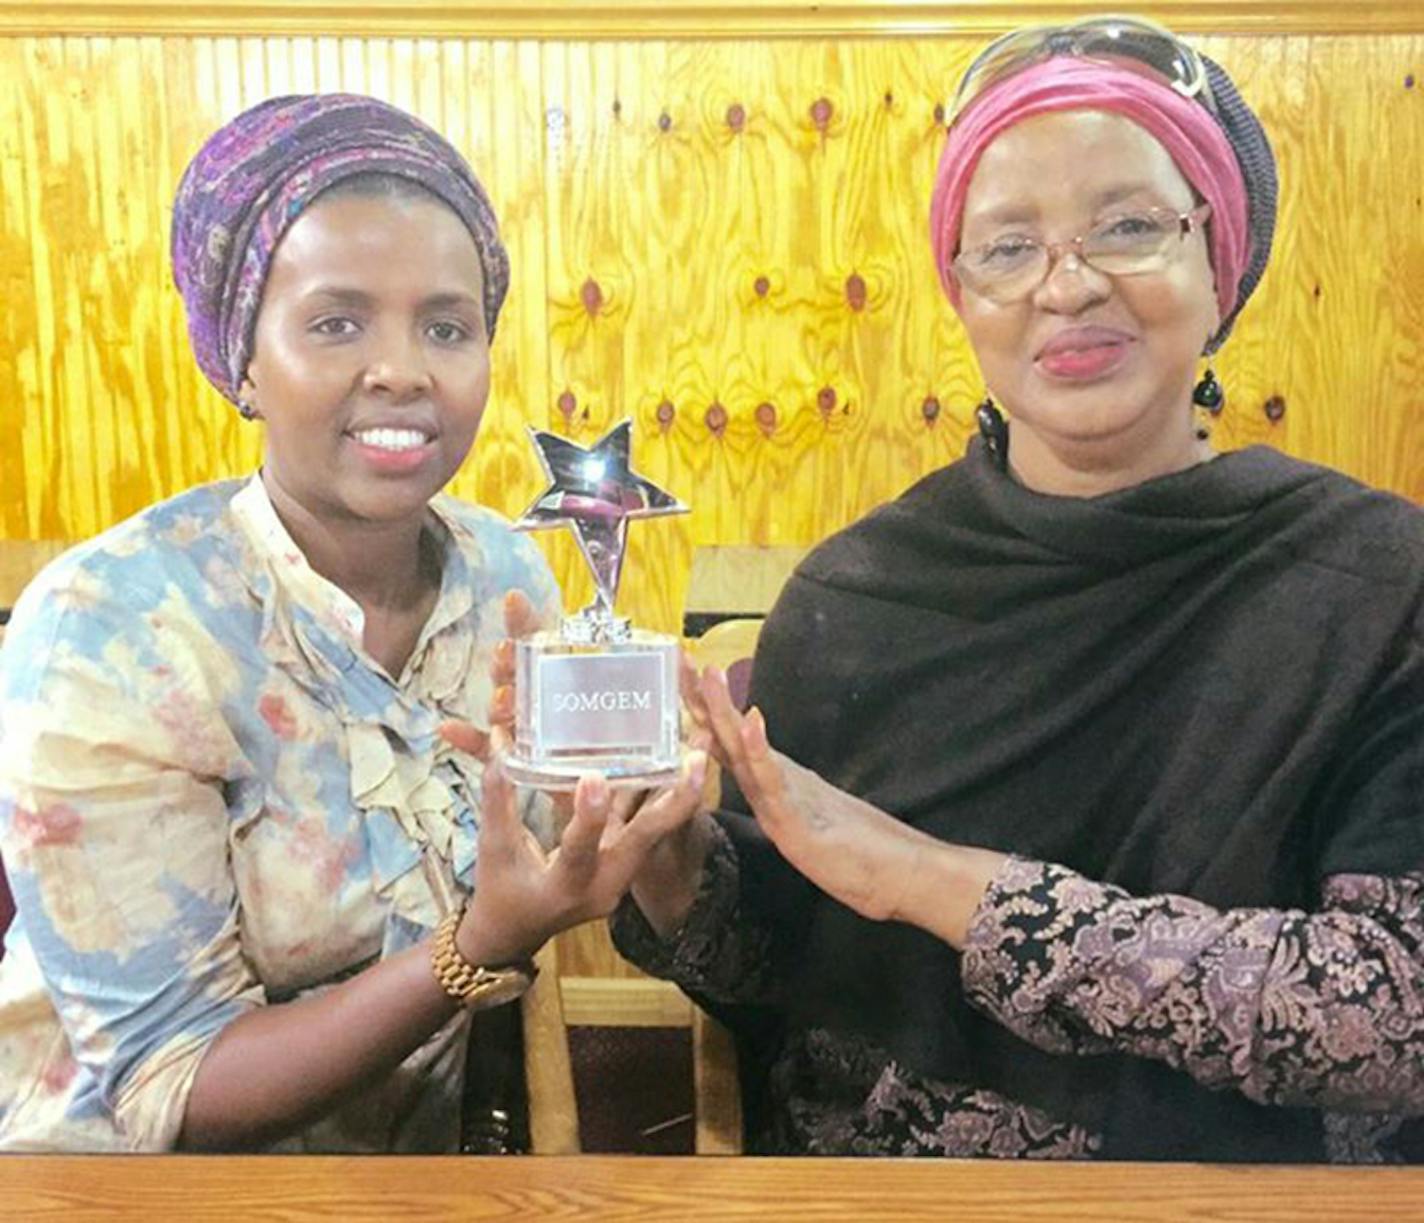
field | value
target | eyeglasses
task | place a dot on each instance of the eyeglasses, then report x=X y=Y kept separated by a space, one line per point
x=1123 y=41
x=1011 y=267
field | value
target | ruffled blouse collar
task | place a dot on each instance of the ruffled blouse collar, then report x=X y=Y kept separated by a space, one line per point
x=417 y=795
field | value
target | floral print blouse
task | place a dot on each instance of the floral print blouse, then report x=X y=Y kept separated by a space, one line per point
x=212 y=799
x=1322 y=1009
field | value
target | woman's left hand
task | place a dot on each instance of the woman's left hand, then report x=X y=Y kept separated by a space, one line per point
x=520 y=620
x=869 y=861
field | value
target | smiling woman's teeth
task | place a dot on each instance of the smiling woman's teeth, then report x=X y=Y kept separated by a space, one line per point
x=391 y=439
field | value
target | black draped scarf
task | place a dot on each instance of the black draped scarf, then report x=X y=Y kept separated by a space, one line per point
x=1211 y=684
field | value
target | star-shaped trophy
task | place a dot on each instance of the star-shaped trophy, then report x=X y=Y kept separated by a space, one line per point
x=596 y=694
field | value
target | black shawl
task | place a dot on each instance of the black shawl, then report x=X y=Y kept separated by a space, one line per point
x=1211 y=684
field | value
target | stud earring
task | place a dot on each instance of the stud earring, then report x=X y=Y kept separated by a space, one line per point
x=246 y=410
x=994 y=429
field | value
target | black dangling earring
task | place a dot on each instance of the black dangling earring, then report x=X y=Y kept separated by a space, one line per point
x=1209 y=394
x=994 y=429
x=1209 y=397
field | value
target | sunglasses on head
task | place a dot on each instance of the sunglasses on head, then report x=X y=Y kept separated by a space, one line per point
x=1121 y=41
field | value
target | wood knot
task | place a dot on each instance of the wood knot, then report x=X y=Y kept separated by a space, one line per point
x=664 y=122
x=766 y=417
x=762 y=286
x=666 y=414
x=591 y=296
x=930 y=409
x=826 y=400
x=716 y=419
x=567 y=405
x=736 y=116
x=855 y=291
x=821 y=112
x=1274 y=408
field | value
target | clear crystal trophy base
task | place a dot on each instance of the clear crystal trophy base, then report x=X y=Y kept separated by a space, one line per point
x=596 y=697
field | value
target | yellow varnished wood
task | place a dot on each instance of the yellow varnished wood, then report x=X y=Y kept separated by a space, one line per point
x=303 y=1189
x=672 y=18
x=624 y=1002
x=587 y=951
x=716 y=1088
x=548 y=1067
x=686 y=219
x=20 y=560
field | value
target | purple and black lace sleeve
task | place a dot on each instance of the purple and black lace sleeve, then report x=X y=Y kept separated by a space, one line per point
x=717 y=952
x=1321 y=1009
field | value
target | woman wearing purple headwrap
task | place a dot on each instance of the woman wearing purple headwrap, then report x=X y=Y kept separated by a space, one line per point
x=259 y=894
x=1096 y=827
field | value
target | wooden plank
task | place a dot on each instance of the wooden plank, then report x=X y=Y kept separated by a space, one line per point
x=295 y=1189
x=20 y=321
x=739 y=578
x=548 y=1069
x=683 y=18
x=20 y=560
x=715 y=1086
x=624 y=1002
x=676 y=226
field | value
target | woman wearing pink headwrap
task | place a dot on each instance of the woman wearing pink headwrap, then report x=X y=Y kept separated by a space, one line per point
x=1093 y=822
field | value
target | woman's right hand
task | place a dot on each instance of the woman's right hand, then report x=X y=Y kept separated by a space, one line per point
x=522 y=897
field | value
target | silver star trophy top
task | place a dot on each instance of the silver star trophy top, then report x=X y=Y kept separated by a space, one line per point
x=595 y=493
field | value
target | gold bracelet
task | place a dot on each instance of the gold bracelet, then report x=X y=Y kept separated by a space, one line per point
x=470 y=985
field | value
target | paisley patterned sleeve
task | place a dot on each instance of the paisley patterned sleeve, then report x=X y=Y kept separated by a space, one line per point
x=717 y=952
x=1321 y=1009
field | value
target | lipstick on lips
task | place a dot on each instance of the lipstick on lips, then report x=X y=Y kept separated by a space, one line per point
x=1081 y=354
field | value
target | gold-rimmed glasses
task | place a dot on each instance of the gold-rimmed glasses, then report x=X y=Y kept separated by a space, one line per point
x=1009 y=267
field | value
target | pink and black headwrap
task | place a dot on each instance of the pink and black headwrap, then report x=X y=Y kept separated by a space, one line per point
x=1226 y=158
x=258 y=173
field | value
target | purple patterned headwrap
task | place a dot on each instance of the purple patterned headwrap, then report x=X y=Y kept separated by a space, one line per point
x=258 y=173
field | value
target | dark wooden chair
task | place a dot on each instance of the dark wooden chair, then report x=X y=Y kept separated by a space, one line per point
x=622 y=1063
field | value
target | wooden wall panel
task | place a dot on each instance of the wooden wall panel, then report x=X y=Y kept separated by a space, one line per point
x=732 y=228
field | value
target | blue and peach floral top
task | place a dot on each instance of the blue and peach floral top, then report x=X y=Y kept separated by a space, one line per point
x=212 y=799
